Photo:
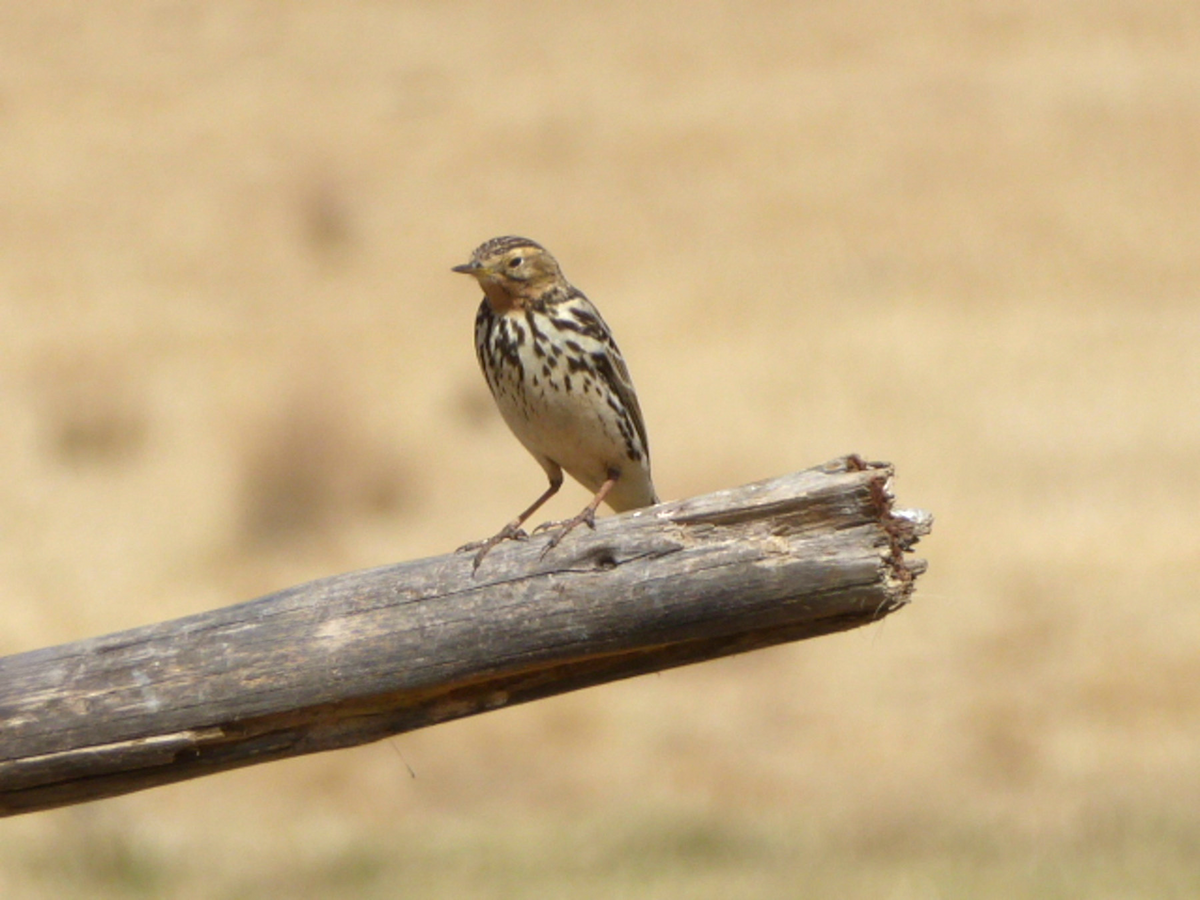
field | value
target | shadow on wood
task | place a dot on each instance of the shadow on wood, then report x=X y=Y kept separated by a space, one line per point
x=358 y=657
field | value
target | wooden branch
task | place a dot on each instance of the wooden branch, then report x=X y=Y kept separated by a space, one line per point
x=357 y=657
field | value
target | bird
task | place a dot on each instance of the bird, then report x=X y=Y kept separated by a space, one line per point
x=560 y=383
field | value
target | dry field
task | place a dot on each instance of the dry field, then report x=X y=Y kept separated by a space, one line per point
x=960 y=236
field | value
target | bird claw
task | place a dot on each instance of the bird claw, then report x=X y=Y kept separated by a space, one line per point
x=507 y=533
x=587 y=517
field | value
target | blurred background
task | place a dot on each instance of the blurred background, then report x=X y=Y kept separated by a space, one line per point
x=959 y=236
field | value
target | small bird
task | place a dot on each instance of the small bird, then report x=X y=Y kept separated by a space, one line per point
x=560 y=382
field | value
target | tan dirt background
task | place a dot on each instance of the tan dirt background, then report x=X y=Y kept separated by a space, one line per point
x=960 y=236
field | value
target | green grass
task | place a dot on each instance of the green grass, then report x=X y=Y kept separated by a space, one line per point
x=694 y=858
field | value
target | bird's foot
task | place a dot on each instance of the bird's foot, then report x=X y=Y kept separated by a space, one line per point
x=510 y=532
x=587 y=517
x=590 y=521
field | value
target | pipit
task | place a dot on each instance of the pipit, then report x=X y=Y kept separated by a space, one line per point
x=560 y=382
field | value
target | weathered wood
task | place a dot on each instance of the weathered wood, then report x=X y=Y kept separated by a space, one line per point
x=357 y=657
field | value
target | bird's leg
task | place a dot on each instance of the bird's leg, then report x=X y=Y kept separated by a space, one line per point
x=587 y=515
x=512 y=531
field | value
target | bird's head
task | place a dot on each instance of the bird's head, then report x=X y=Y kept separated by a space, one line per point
x=512 y=271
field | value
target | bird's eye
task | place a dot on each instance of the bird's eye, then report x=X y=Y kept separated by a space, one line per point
x=515 y=262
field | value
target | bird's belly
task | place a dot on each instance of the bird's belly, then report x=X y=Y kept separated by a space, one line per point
x=578 y=430
x=568 y=429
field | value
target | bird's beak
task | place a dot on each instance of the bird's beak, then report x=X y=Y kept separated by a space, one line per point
x=471 y=268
